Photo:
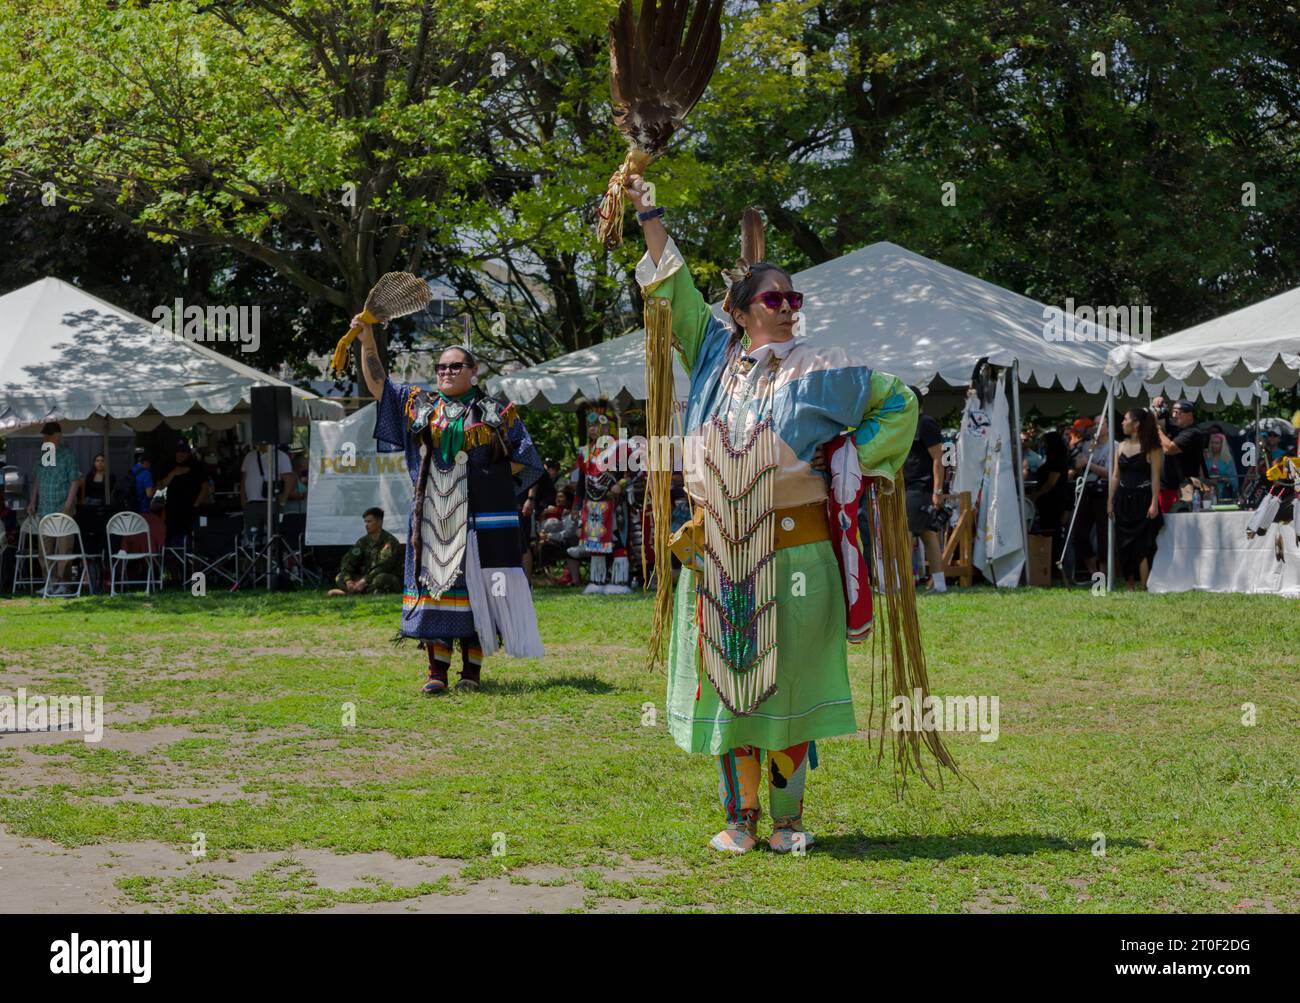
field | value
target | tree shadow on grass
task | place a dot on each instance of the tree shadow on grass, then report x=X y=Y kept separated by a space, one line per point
x=867 y=846
x=242 y=604
x=507 y=687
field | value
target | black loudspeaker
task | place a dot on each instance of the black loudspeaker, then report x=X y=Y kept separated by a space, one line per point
x=272 y=415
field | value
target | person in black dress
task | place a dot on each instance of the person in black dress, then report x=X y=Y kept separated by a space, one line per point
x=188 y=488
x=1133 y=500
x=97 y=489
x=1054 y=497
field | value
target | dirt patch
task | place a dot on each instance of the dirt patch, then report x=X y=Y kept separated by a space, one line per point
x=1215 y=883
x=114 y=739
x=496 y=895
x=1254 y=906
x=42 y=877
x=985 y=904
x=184 y=797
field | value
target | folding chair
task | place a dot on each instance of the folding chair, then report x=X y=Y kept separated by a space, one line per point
x=215 y=551
x=126 y=524
x=29 y=552
x=58 y=526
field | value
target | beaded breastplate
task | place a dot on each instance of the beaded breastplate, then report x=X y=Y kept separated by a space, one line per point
x=737 y=587
x=444 y=521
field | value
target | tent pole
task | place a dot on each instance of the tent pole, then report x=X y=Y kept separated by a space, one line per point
x=1110 y=523
x=108 y=470
x=270 y=510
x=1258 y=441
x=1020 y=466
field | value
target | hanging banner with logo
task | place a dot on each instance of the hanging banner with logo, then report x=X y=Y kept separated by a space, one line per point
x=349 y=476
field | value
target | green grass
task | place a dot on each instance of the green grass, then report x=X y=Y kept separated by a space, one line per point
x=1120 y=715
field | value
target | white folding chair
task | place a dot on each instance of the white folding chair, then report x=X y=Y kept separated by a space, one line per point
x=122 y=525
x=27 y=564
x=58 y=526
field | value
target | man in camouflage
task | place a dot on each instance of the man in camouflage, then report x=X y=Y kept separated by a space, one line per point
x=374 y=564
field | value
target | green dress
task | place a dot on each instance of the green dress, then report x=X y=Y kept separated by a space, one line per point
x=812 y=698
x=813 y=394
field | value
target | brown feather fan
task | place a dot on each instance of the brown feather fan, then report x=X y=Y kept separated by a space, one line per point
x=658 y=68
x=396 y=294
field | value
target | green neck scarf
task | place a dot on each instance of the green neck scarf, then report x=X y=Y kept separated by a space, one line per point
x=453 y=435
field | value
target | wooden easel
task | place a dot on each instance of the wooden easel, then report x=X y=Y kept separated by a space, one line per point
x=961 y=541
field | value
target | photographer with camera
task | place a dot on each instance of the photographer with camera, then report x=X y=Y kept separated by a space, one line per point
x=923 y=477
x=1183 y=445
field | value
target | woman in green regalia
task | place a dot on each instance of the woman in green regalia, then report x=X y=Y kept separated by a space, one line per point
x=757 y=659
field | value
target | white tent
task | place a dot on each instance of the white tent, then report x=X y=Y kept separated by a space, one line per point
x=1262 y=340
x=71 y=357
x=899 y=312
x=1259 y=340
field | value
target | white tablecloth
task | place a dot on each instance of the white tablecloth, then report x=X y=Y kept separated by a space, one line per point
x=1209 y=551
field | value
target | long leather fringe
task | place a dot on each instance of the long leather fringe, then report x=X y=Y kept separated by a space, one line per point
x=898 y=660
x=659 y=416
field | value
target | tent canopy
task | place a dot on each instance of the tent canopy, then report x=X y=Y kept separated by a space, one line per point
x=68 y=356
x=1237 y=348
x=899 y=312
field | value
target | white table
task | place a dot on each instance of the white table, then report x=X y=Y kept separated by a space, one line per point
x=1209 y=552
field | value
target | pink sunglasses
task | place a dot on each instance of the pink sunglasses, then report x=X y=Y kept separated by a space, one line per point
x=772 y=299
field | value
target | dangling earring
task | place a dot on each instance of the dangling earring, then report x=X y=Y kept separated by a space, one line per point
x=744 y=339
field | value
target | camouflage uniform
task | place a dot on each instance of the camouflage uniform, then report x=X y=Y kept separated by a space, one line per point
x=377 y=560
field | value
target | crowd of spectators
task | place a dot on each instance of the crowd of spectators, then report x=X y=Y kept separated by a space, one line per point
x=1196 y=470
x=169 y=500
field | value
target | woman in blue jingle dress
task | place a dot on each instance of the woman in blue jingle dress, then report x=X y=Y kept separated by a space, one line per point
x=470 y=458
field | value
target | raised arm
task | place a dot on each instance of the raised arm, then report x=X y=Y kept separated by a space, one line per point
x=371 y=368
x=656 y=236
x=663 y=274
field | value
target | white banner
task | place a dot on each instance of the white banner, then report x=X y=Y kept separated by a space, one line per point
x=972 y=445
x=348 y=475
x=999 y=530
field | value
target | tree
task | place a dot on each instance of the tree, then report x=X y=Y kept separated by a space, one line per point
x=294 y=150
x=329 y=140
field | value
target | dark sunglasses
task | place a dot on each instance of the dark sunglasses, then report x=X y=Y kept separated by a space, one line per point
x=448 y=367
x=772 y=299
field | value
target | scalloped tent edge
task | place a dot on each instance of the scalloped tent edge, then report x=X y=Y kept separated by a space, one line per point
x=902 y=313
x=1258 y=341
x=72 y=357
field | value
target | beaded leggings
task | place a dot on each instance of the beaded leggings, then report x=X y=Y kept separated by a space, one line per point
x=440 y=657
x=738 y=777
